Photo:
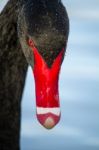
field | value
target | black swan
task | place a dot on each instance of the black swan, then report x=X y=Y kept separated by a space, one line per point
x=43 y=28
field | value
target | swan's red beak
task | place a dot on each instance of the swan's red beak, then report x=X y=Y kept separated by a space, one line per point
x=46 y=86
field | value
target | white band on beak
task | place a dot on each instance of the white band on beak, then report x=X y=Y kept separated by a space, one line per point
x=43 y=110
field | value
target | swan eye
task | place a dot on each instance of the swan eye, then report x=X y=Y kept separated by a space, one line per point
x=31 y=43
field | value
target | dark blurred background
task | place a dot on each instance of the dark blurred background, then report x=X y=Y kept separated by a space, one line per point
x=78 y=128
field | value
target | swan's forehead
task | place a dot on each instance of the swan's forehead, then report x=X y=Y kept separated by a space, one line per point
x=47 y=50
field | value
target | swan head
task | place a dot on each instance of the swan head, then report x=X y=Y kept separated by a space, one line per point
x=43 y=28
